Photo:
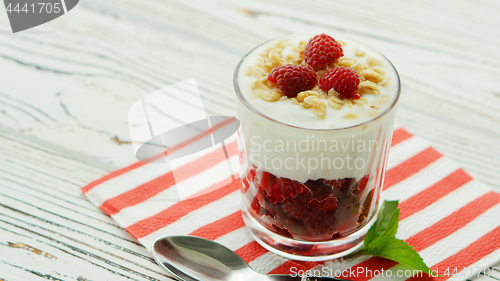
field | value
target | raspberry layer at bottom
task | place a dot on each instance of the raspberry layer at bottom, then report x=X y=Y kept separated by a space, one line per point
x=317 y=210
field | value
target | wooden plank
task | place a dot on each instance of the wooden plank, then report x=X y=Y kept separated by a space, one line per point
x=45 y=219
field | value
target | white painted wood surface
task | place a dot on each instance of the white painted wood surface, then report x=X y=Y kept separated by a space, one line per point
x=66 y=86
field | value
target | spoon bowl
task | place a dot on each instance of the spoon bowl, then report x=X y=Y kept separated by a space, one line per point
x=194 y=258
x=190 y=258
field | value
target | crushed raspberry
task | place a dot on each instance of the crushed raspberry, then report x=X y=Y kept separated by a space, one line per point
x=293 y=79
x=363 y=182
x=271 y=213
x=335 y=236
x=264 y=181
x=248 y=180
x=256 y=206
x=335 y=184
x=282 y=231
x=343 y=80
x=270 y=188
x=322 y=49
x=319 y=189
x=294 y=208
x=324 y=199
x=267 y=179
x=317 y=210
x=326 y=205
x=319 y=224
x=274 y=194
x=366 y=208
x=292 y=189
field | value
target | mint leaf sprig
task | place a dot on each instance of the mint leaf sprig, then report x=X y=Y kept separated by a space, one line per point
x=381 y=241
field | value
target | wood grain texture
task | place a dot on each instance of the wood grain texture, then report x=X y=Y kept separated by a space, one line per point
x=66 y=87
x=48 y=229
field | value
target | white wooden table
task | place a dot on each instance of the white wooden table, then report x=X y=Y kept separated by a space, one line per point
x=66 y=87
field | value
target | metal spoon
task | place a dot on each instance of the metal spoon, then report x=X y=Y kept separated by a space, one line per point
x=190 y=258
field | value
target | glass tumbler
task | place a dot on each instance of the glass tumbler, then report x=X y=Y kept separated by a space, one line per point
x=311 y=194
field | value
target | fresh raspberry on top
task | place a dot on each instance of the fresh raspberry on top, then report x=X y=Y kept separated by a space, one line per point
x=343 y=80
x=322 y=49
x=293 y=79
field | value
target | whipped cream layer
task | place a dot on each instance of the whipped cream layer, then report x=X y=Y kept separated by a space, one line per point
x=289 y=141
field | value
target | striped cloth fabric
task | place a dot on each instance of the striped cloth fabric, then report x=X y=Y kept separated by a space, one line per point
x=452 y=220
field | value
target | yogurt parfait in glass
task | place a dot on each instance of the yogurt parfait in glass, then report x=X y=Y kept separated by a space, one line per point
x=317 y=116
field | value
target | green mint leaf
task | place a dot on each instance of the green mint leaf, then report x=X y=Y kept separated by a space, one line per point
x=383 y=222
x=399 y=251
x=390 y=233
x=383 y=234
x=381 y=240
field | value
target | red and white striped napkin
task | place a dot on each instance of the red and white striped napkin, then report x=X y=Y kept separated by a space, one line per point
x=452 y=220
